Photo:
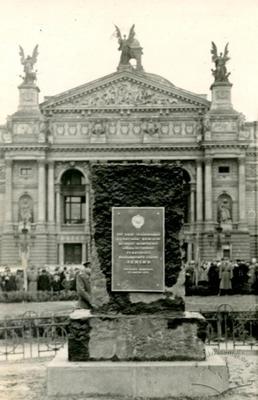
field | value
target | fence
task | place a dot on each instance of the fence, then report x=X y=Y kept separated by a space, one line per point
x=33 y=336
x=229 y=330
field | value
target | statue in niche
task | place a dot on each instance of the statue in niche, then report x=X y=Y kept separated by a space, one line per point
x=224 y=210
x=28 y=65
x=220 y=73
x=25 y=215
x=130 y=49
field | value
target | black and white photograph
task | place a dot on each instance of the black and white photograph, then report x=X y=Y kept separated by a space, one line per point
x=129 y=200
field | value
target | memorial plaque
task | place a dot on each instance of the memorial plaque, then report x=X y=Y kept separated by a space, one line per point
x=138 y=249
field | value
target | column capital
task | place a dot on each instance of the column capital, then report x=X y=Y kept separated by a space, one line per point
x=193 y=186
x=241 y=160
x=57 y=187
x=41 y=162
x=199 y=161
x=208 y=160
x=8 y=162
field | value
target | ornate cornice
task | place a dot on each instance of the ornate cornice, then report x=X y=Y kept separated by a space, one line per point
x=124 y=148
x=233 y=145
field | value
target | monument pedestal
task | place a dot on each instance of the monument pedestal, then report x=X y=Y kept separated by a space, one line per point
x=164 y=336
x=154 y=356
x=137 y=379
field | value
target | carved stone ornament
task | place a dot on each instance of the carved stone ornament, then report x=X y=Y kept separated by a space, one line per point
x=112 y=128
x=224 y=209
x=177 y=128
x=98 y=128
x=2 y=172
x=25 y=213
x=124 y=93
x=189 y=128
x=151 y=128
x=84 y=129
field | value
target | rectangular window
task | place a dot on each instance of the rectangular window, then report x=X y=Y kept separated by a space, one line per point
x=224 y=169
x=226 y=253
x=25 y=171
x=74 y=209
x=72 y=253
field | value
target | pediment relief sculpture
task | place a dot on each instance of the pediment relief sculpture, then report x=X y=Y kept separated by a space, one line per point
x=124 y=93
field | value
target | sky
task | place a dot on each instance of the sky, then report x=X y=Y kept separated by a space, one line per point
x=77 y=45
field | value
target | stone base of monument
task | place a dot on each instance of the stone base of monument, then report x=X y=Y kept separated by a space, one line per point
x=156 y=355
x=153 y=379
x=165 y=336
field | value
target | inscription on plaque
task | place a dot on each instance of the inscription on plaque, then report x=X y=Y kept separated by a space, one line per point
x=138 y=249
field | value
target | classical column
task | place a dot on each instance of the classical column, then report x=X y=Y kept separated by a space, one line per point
x=241 y=190
x=84 y=253
x=58 y=208
x=51 y=193
x=199 y=191
x=8 y=190
x=41 y=191
x=189 y=251
x=87 y=207
x=208 y=189
x=192 y=202
x=61 y=254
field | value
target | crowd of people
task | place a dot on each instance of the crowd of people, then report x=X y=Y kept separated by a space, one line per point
x=221 y=277
x=43 y=279
x=204 y=278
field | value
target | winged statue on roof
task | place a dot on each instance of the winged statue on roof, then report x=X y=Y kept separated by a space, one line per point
x=28 y=64
x=130 y=49
x=220 y=72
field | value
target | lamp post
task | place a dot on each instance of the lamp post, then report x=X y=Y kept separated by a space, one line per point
x=24 y=253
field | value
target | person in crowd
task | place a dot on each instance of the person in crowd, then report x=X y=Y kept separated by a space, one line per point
x=32 y=276
x=9 y=278
x=251 y=275
x=203 y=274
x=55 y=282
x=213 y=278
x=72 y=279
x=255 y=285
x=243 y=276
x=225 y=276
x=44 y=281
x=83 y=286
x=189 y=276
x=236 y=278
x=19 y=280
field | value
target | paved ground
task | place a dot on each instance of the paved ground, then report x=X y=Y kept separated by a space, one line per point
x=26 y=380
x=193 y=303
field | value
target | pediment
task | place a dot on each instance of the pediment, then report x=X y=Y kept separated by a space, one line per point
x=125 y=89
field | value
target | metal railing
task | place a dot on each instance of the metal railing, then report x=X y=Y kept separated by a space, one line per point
x=34 y=336
x=230 y=330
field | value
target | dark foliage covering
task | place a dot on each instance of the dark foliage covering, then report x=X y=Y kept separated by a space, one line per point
x=137 y=185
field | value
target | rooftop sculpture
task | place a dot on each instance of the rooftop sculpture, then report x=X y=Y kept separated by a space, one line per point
x=220 y=73
x=28 y=65
x=130 y=49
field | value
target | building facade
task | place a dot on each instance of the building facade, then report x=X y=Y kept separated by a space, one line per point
x=129 y=116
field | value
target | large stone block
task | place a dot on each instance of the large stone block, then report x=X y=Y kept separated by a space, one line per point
x=156 y=379
x=167 y=336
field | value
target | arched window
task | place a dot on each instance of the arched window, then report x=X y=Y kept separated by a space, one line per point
x=73 y=192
